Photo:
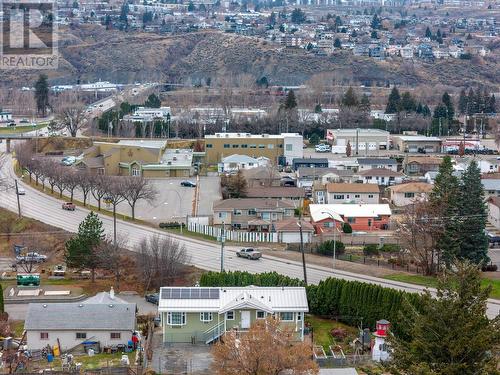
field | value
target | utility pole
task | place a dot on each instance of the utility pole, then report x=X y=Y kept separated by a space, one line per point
x=18 y=202
x=302 y=249
x=222 y=239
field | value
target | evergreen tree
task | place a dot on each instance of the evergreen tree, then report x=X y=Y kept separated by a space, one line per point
x=440 y=111
x=444 y=201
x=449 y=333
x=298 y=16
x=153 y=101
x=450 y=109
x=471 y=102
x=473 y=214
x=376 y=23
x=290 y=101
x=419 y=108
x=364 y=104
x=462 y=102
x=124 y=12
x=317 y=108
x=428 y=32
x=407 y=102
x=492 y=105
x=354 y=34
x=394 y=101
x=42 y=94
x=337 y=43
x=374 y=35
x=426 y=111
x=349 y=99
x=81 y=249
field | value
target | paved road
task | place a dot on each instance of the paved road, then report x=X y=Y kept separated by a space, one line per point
x=202 y=254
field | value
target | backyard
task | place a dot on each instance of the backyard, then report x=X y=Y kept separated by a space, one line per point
x=322 y=333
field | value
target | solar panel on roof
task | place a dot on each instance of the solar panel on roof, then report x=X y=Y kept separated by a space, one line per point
x=190 y=293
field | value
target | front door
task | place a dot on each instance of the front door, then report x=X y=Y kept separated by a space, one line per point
x=245 y=319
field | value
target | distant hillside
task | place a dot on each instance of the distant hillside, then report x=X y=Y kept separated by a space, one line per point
x=90 y=52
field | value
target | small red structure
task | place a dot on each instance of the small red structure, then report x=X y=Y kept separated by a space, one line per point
x=382 y=327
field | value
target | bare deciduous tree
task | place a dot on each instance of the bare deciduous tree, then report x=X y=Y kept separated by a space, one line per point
x=137 y=188
x=115 y=194
x=160 y=260
x=85 y=183
x=71 y=114
x=110 y=256
x=99 y=187
x=251 y=354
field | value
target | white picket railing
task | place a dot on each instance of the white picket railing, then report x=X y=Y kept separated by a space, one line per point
x=232 y=235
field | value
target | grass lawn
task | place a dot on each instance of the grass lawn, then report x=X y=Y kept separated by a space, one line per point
x=21 y=129
x=18 y=327
x=432 y=282
x=321 y=332
x=97 y=360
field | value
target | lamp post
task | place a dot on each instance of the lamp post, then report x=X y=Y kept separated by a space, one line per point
x=334 y=235
x=299 y=224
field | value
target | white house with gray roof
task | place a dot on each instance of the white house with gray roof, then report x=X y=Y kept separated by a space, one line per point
x=73 y=324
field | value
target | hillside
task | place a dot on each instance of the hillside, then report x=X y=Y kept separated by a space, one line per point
x=89 y=52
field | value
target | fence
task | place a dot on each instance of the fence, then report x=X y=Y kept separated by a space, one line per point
x=232 y=235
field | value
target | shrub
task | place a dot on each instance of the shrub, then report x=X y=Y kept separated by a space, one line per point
x=339 y=333
x=326 y=248
x=171 y=225
x=346 y=228
x=370 y=249
x=390 y=248
x=489 y=268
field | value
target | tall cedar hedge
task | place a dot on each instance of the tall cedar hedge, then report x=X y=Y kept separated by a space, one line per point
x=351 y=302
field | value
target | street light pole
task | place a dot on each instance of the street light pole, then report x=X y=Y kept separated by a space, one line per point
x=222 y=239
x=302 y=249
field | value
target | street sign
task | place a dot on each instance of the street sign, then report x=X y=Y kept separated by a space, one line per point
x=221 y=238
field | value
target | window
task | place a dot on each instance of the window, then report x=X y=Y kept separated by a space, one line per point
x=266 y=216
x=351 y=220
x=136 y=172
x=286 y=316
x=230 y=315
x=44 y=335
x=357 y=196
x=115 y=335
x=338 y=196
x=209 y=145
x=252 y=212
x=176 y=318
x=244 y=146
x=227 y=145
x=409 y=195
x=236 y=146
x=370 y=195
x=299 y=316
x=327 y=224
x=253 y=146
x=206 y=316
x=261 y=314
x=270 y=146
x=262 y=146
x=81 y=335
x=289 y=147
x=237 y=212
x=222 y=215
x=368 y=177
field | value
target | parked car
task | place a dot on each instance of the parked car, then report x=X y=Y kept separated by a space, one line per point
x=249 y=253
x=187 y=183
x=32 y=257
x=68 y=206
x=152 y=298
x=322 y=148
x=21 y=191
x=68 y=160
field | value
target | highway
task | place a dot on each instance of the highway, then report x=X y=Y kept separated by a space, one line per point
x=202 y=254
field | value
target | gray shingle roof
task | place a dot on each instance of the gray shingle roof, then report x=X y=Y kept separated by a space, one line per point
x=71 y=316
x=377 y=161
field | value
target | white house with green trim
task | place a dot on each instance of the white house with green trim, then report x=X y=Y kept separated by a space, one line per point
x=203 y=314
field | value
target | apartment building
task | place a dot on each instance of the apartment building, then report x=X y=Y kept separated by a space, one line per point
x=278 y=148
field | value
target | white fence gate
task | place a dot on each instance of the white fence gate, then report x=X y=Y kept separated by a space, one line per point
x=232 y=235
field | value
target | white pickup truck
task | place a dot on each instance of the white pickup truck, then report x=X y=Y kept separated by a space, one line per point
x=249 y=253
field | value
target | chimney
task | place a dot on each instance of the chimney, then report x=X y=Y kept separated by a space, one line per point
x=112 y=293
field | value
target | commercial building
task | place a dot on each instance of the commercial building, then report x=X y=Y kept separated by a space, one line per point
x=362 y=141
x=417 y=144
x=144 y=114
x=279 y=149
x=136 y=158
x=5 y=116
x=202 y=315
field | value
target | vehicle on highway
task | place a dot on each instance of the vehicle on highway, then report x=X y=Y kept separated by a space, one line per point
x=31 y=257
x=69 y=206
x=249 y=253
x=21 y=191
x=152 y=298
x=24 y=121
x=187 y=183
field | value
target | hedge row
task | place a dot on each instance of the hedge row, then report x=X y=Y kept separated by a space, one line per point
x=351 y=302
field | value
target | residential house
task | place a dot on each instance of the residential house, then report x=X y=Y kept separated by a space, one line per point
x=420 y=165
x=306 y=176
x=417 y=143
x=202 y=315
x=494 y=211
x=319 y=192
x=73 y=324
x=374 y=163
x=361 y=217
x=485 y=164
x=380 y=176
x=289 y=231
x=310 y=162
x=252 y=214
x=409 y=193
x=352 y=193
x=293 y=194
x=406 y=52
x=237 y=162
x=491 y=184
x=262 y=176
x=5 y=116
x=279 y=149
